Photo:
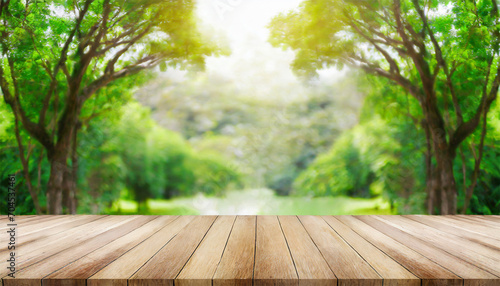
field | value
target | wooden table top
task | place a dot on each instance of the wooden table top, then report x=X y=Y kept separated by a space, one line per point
x=254 y=250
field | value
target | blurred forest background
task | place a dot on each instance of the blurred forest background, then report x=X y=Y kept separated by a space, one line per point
x=249 y=107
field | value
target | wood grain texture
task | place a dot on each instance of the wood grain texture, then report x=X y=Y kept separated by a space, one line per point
x=472 y=275
x=422 y=267
x=273 y=262
x=477 y=220
x=451 y=244
x=119 y=271
x=165 y=265
x=434 y=222
x=41 y=249
x=391 y=271
x=349 y=267
x=81 y=269
x=33 y=274
x=495 y=219
x=237 y=263
x=312 y=268
x=467 y=225
x=201 y=267
x=255 y=250
x=38 y=231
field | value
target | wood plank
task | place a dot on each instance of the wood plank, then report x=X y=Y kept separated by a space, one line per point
x=33 y=274
x=165 y=265
x=52 y=227
x=494 y=233
x=43 y=248
x=30 y=221
x=228 y=250
x=476 y=220
x=425 y=269
x=491 y=218
x=475 y=237
x=119 y=271
x=446 y=245
x=273 y=262
x=462 y=226
x=448 y=242
x=201 y=267
x=237 y=263
x=50 y=232
x=78 y=271
x=312 y=268
x=472 y=275
x=392 y=272
x=22 y=218
x=349 y=267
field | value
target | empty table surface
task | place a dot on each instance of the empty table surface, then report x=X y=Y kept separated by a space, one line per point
x=254 y=250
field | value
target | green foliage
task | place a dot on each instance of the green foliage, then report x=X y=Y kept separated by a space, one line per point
x=351 y=167
x=382 y=155
x=444 y=54
x=213 y=175
x=160 y=164
x=270 y=139
x=126 y=151
x=486 y=197
x=64 y=63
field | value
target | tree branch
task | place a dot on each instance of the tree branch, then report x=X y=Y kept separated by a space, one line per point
x=441 y=62
x=376 y=70
x=477 y=165
x=142 y=64
x=13 y=100
x=61 y=62
x=466 y=128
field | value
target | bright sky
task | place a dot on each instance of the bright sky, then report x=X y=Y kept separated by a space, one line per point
x=254 y=65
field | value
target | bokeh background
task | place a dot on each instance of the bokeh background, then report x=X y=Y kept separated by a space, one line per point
x=245 y=134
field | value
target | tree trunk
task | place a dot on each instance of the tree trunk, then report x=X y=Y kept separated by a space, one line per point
x=433 y=187
x=444 y=155
x=448 y=187
x=431 y=179
x=74 y=170
x=69 y=186
x=55 y=185
x=60 y=187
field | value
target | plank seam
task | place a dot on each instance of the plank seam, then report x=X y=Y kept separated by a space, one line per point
x=91 y=252
x=439 y=231
x=289 y=251
x=318 y=250
x=434 y=246
x=56 y=253
x=354 y=249
x=472 y=232
x=27 y=242
x=180 y=270
x=155 y=253
x=484 y=244
x=463 y=280
x=421 y=280
x=254 y=251
x=129 y=249
x=222 y=254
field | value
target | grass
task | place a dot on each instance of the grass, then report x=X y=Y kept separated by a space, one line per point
x=255 y=201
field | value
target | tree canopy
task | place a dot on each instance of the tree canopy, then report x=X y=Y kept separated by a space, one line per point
x=444 y=54
x=65 y=62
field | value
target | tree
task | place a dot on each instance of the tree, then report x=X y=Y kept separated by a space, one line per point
x=445 y=54
x=58 y=55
